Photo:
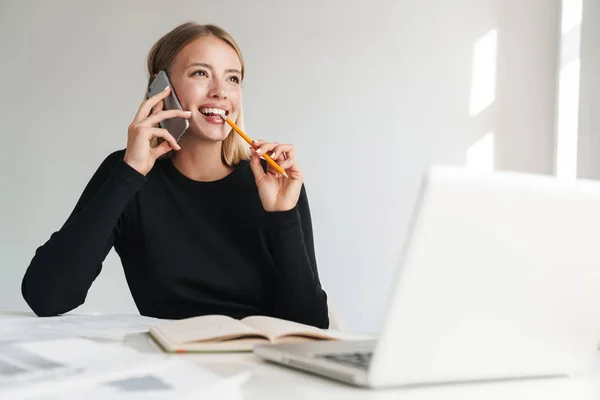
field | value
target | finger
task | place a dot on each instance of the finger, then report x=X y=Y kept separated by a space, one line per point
x=279 y=157
x=278 y=161
x=147 y=105
x=274 y=171
x=162 y=149
x=157 y=108
x=164 y=134
x=281 y=150
x=287 y=164
x=266 y=148
x=162 y=115
x=257 y=169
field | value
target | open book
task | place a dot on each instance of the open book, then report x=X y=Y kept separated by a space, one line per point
x=221 y=333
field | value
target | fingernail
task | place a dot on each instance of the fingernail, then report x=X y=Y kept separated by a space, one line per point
x=273 y=155
x=166 y=88
x=188 y=112
x=258 y=150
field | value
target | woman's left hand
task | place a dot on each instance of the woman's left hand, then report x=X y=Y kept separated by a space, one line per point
x=277 y=193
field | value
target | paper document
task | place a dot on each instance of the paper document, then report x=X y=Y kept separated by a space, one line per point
x=110 y=326
x=52 y=367
x=173 y=379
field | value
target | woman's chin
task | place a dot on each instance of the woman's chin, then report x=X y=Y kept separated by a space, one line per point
x=213 y=135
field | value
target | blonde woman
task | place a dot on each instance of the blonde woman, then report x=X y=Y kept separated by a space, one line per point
x=202 y=226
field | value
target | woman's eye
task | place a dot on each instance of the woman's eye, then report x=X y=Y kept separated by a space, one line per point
x=199 y=73
x=234 y=79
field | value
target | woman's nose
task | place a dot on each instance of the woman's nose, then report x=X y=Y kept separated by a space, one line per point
x=218 y=91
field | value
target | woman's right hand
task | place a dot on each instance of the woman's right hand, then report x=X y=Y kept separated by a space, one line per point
x=139 y=154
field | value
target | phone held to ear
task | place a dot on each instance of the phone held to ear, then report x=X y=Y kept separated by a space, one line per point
x=176 y=126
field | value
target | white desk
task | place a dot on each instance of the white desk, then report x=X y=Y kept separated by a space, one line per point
x=268 y=381
x=262 y=380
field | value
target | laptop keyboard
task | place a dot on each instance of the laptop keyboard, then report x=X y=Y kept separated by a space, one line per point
x=360 y=360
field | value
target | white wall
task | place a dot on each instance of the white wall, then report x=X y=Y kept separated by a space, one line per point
x=589 y=92
x=370 y=92
x=528 y=54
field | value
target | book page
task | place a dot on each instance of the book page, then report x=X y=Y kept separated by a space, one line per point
x=204 y=329
x=278 y=328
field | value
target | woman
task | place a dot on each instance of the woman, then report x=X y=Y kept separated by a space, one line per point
x=201 y=227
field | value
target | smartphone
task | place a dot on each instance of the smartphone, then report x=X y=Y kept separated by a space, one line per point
x=176 y=126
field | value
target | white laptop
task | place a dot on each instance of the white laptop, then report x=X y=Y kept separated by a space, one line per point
x=499 y=279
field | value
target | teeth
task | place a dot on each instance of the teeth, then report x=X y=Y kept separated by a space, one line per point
x=212 y=111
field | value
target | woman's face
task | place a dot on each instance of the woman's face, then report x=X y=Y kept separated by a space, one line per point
x=206 y=75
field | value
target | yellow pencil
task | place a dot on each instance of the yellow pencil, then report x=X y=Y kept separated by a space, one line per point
x=247 y=139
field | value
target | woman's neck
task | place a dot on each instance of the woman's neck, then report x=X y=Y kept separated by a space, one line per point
x=200 y=160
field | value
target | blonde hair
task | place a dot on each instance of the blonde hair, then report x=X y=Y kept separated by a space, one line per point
x=161 y=57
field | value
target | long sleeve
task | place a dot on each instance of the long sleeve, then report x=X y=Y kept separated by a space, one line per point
x=63 y=269
x=299 y=295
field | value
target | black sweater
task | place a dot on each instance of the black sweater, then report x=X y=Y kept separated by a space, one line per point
x=188 y=248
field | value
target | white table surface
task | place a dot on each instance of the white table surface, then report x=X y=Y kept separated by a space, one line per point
x=262 y=380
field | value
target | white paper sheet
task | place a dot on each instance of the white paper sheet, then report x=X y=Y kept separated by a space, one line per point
x=66 y=366
x=110 y=326
x=174 y=379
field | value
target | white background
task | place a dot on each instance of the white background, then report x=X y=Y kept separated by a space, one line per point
x=371 y=93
